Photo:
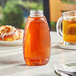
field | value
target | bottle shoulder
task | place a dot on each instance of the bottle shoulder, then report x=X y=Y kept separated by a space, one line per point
x=36 y=19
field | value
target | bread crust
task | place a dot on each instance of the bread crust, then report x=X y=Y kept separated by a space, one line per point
x=8 y=33
x=20 y=33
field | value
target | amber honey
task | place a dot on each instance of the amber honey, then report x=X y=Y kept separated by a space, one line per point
x=69 y=30
x=36 y=43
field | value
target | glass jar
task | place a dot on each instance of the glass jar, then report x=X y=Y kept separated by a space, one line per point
x=36 y=42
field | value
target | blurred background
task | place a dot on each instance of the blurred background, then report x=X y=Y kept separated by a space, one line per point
x=15 y=12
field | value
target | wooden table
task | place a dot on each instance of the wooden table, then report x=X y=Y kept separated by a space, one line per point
x=12 y=62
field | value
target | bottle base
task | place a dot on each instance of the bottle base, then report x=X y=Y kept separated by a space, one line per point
x=36 y=62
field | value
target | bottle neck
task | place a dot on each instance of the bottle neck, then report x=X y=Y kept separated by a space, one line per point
x=36 y=13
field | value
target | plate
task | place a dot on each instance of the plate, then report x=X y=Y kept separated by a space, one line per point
x=72 y=65
x=70 y=47
x=12 y=43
